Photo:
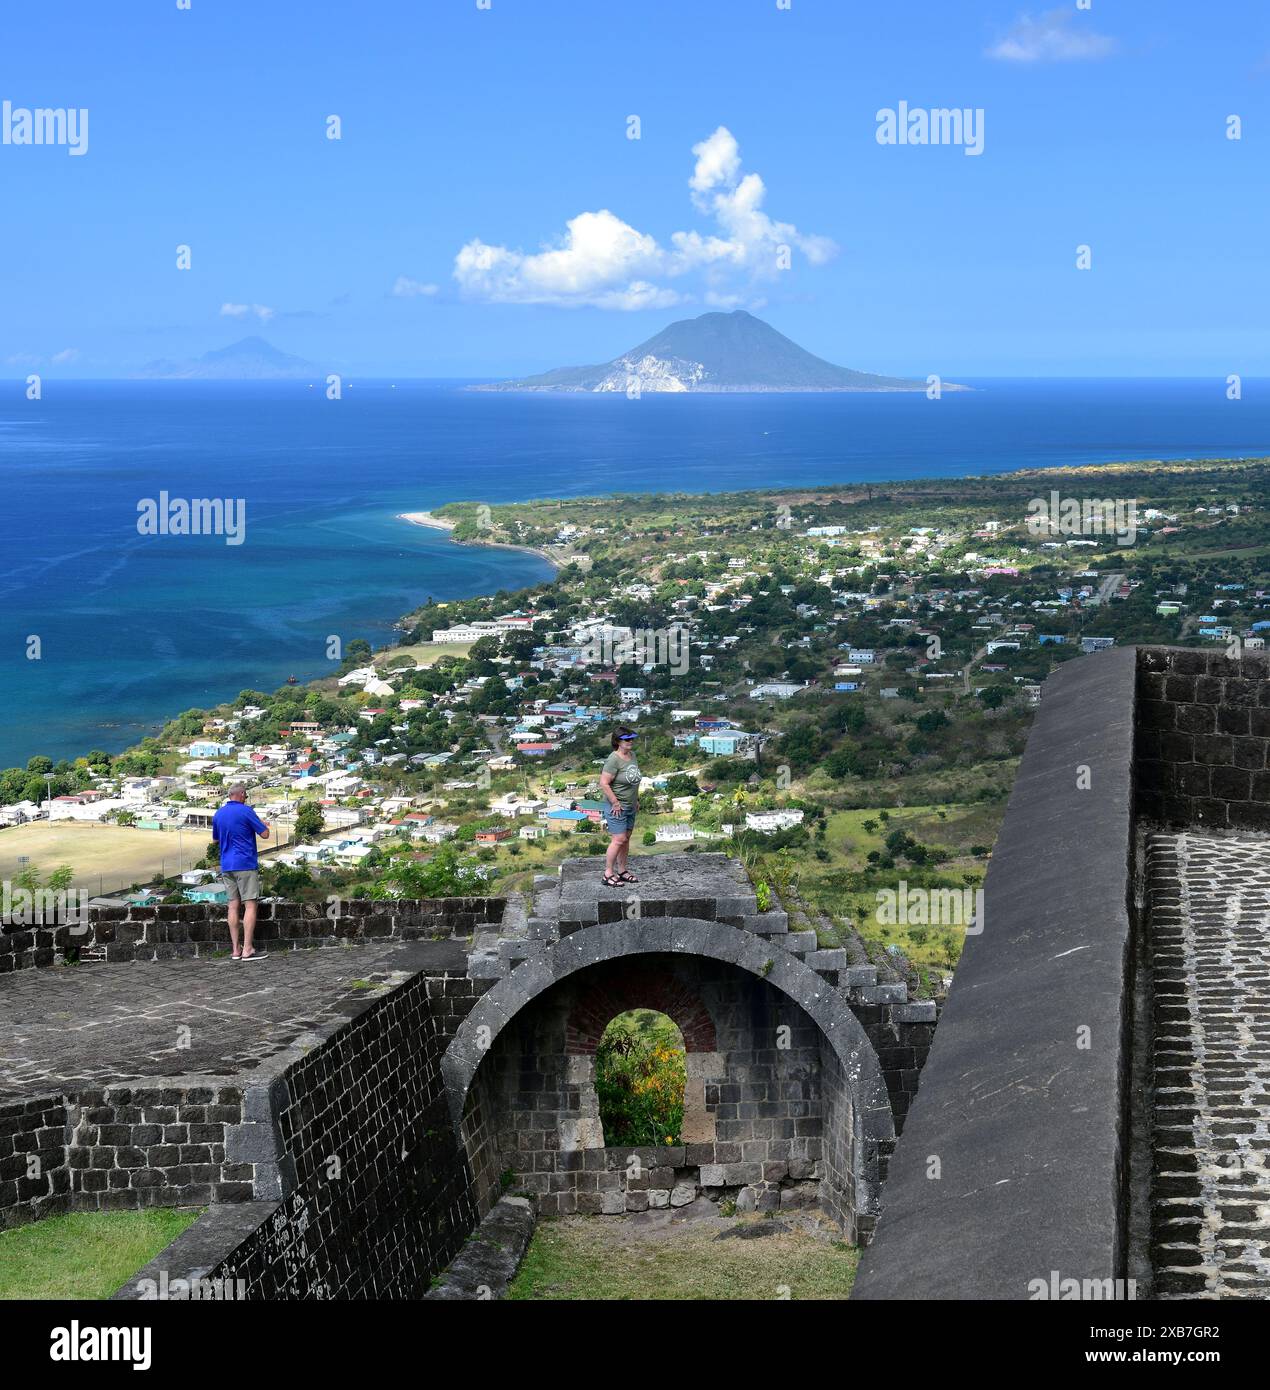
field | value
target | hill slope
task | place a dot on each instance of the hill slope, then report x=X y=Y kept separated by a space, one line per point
x=714 y=352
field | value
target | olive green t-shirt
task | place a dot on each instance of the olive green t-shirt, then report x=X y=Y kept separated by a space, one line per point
x=625 y=777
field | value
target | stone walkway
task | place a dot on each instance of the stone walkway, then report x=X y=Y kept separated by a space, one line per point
x=1209 y=908
x=65 y=1028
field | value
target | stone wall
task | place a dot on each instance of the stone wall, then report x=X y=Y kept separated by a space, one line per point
x=121 y=1148
x=160 y=932
x=378 y=1197
x=1014 y=1161
x=1203 y=754
x=35 y=1180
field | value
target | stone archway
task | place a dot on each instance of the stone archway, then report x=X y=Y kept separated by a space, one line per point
x=619 y=986
x=848 y=1120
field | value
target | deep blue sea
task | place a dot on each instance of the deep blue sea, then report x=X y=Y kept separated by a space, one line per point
x=133 y=629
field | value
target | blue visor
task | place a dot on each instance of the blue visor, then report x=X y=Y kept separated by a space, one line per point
x=626 y=738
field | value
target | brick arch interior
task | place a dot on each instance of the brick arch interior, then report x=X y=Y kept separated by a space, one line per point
x=609 y=992
x=778 y=1111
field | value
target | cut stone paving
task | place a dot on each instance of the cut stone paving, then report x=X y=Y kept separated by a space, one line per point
x=102 y=1024
x=1209 y=904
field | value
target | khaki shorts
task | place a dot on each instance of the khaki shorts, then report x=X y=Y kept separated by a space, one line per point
x=241 y=883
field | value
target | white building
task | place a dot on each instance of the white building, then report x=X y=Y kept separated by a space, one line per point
x=766 y=822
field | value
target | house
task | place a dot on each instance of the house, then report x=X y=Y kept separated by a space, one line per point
x=767 y=822
x=209 y=748
x=535 y=750
x=493 y=835
x=673 y=833
x=207 y=893
x=725 y=743
x=779 y=690
x=533 y=832
x=465 y=632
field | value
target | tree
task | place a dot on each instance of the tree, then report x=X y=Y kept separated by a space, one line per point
x=443 y=876
x=309 y=821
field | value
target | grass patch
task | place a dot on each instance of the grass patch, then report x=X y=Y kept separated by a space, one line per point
x=605 y=1258
x=84 y=1254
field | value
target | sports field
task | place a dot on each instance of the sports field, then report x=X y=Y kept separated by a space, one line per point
x=422 y=653
x=105 y=858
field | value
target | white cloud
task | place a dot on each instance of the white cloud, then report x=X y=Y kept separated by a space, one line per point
x=1057 y=36
x=605 y=262
x=66 y=355
x=718 y=161
x=242 y=311
x=406 y=288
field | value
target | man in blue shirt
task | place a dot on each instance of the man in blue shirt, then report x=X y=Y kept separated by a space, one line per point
x=234 y=830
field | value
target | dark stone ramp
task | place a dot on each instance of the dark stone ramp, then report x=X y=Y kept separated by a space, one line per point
x=1209 y=905
x=1010 y=1165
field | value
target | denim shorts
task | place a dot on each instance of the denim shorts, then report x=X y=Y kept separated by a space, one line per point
x=619 y=822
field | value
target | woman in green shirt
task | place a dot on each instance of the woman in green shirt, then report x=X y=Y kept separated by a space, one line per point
x=619 y=783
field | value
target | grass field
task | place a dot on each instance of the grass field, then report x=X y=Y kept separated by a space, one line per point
x=616 y=1258
x=422 y=653
x=104 y=858
x=84 y=1254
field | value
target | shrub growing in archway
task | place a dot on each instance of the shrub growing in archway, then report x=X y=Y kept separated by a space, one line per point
x=640 y=1072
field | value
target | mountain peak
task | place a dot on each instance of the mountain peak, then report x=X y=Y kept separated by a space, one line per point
x=723 y=350
x=249 y=359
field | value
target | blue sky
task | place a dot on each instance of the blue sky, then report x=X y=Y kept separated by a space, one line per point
x=473 y=140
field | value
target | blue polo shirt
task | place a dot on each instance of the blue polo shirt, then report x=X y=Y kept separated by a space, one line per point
x=234 y=828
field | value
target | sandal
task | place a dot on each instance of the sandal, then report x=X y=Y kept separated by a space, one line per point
x=626 y=877
x=611 y=881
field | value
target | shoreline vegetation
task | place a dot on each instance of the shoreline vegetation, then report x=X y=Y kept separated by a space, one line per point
x=442 y=523
x=970 y=488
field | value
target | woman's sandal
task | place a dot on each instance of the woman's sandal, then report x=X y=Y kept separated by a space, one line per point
x=625 y=877
x=611 y=881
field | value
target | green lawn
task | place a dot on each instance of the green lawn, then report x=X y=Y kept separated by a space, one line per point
x=607 y=1258
x=84 y=1254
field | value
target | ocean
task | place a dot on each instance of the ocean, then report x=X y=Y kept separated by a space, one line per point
x=132 y=629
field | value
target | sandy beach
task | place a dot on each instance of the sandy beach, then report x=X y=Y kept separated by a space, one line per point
x=440 y=523
x=426 y=519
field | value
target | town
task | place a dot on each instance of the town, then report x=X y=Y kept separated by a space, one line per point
x=831 y=686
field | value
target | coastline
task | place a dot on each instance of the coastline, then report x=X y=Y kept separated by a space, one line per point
x=440 y=523
x=557 y=562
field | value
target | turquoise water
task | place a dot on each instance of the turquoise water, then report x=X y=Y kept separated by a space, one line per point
x=134 y=628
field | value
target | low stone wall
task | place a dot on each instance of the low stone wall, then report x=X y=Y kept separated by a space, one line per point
x=35 y=1179
x=121 y=1148
x=1204 y=738
x=490 y=1258
x=115 y=934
